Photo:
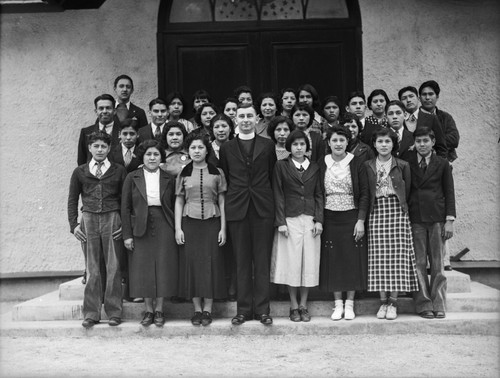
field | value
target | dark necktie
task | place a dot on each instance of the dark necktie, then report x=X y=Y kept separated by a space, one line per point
x=122 y=112
x=423 y=164
x=301 y=169
x=98 y=171
x=157 y=133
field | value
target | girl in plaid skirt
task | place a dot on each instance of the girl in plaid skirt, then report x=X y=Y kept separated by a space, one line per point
x=391 y=259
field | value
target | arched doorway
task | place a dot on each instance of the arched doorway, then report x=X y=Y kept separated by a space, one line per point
x=218 y=45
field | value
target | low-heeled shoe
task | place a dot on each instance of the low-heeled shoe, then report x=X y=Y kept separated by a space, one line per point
x=439 y=314
x=196 y=319
x=294 y=315
x=89 y=323
x=264 y=319
x=427 y=314
x=114 y=321
x=148 y=319
x=159 y=319
x=206 y=318
x=239 y=319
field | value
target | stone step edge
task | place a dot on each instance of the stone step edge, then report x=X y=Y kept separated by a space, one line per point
x=454 y=324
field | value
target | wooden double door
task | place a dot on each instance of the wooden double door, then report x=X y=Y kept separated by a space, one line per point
x=267 y=56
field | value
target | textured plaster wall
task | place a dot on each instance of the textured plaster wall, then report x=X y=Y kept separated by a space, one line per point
x=456 y=43
x=53 y=65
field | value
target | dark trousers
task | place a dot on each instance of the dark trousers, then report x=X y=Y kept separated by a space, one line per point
x=252 y=243
x=428 y=243
x=102 y=247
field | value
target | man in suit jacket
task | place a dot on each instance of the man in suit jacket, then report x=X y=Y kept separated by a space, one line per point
x=124 y=87
x=158 y=111
x=248 y=162
x=123 y=154
x=395 y=113
x=416 y=118
x=106 y=121
x=432 y=212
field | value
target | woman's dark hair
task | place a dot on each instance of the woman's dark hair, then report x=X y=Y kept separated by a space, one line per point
x=262 y=97
x=339 y=130
x=355 y=94
x=377 y=92
x=200 y=94
x=314 y=94
x=294 y=135
x=431 y=84
x=328 y=99
x=147 y=144
x=303 y=107
x=172 y=96
x=225 y=118
x=384 y=132
x=228 y=100
x=197 y=116
x=397 y=103
x=198 y=136
x=168 y=126
x=273 y=124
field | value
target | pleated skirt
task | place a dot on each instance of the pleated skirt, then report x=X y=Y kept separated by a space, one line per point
x=343 y=260
x=391 y=257
x=201 y=260
x=153 y=265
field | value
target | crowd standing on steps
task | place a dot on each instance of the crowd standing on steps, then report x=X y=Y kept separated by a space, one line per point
x=284 y=189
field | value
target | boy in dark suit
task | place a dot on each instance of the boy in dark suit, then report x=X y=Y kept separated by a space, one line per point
x=432 y=212
x=248 y=162
x=158 y=112
x=124 y=87
x=123 y=154
x=99 y=183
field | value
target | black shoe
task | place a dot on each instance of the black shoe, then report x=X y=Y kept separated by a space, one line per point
x=114 y=321
x=196 y=319
x=427 y=314
x=159 y=319
x=439 y=314
x=448 y=268
x=304 y=314
x=239 y=319
x=294 y=315
x=148 y=319
x=206 y=318
x=89 y=323
x=264 y=319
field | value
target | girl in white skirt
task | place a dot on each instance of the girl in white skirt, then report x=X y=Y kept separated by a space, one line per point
x=299 y=217
x=391 y=258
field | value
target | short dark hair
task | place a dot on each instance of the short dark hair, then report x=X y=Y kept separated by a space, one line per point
x=129 y=122
x=340 y=130
x=303 y=106
x=385 y=131
x=197 y=116
x=424 y=131
x=273 y=124
x=228 y=100
x=157 y=101
x=147 y=144
x=407 y=89
x=199 y=136
x=262 y=97
x=242 y=89
x=104 y=96
x=328 y=99
x=172 y=96
x=99 y=135
x=201 y=94
x=123 y=76
x=294 y=135
x=314 y=94
x=377 y=92
x=431 y=84
x=225 y=118
x=348 y=117
x=168 y=126
x=355 y=94
x=397 y=103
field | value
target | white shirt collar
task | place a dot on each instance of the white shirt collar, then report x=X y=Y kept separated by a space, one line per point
x=125 y=149
x=106 y=127
x=127 y=104
x=343 y=163
x=305 y=164
x=246 y=136
x=93 y=163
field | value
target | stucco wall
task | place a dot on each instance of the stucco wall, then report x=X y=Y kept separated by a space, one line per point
x=53 y=65
x=456 y=43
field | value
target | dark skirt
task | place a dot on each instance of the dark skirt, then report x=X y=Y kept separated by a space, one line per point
x=153 y=265
x=344 y=262
x=201 y=260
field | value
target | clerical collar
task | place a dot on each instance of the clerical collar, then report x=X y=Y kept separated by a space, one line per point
x=246 y=136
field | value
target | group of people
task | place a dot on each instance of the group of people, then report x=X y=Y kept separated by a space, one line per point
x=282 y=190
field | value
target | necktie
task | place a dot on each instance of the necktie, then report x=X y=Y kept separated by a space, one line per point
x=423 y=164
x=412 y=118
x=98 y=171
x=127 y=158
x=122 y=112
x=301 y=169
x=157 y=132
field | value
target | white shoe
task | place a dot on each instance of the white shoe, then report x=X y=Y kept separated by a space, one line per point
x=382 y=311
x=392 y=312
x=338 y=311
x=349 y=310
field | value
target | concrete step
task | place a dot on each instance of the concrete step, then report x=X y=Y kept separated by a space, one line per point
x=457 y=283
x=456 y=323
x=482 y=298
